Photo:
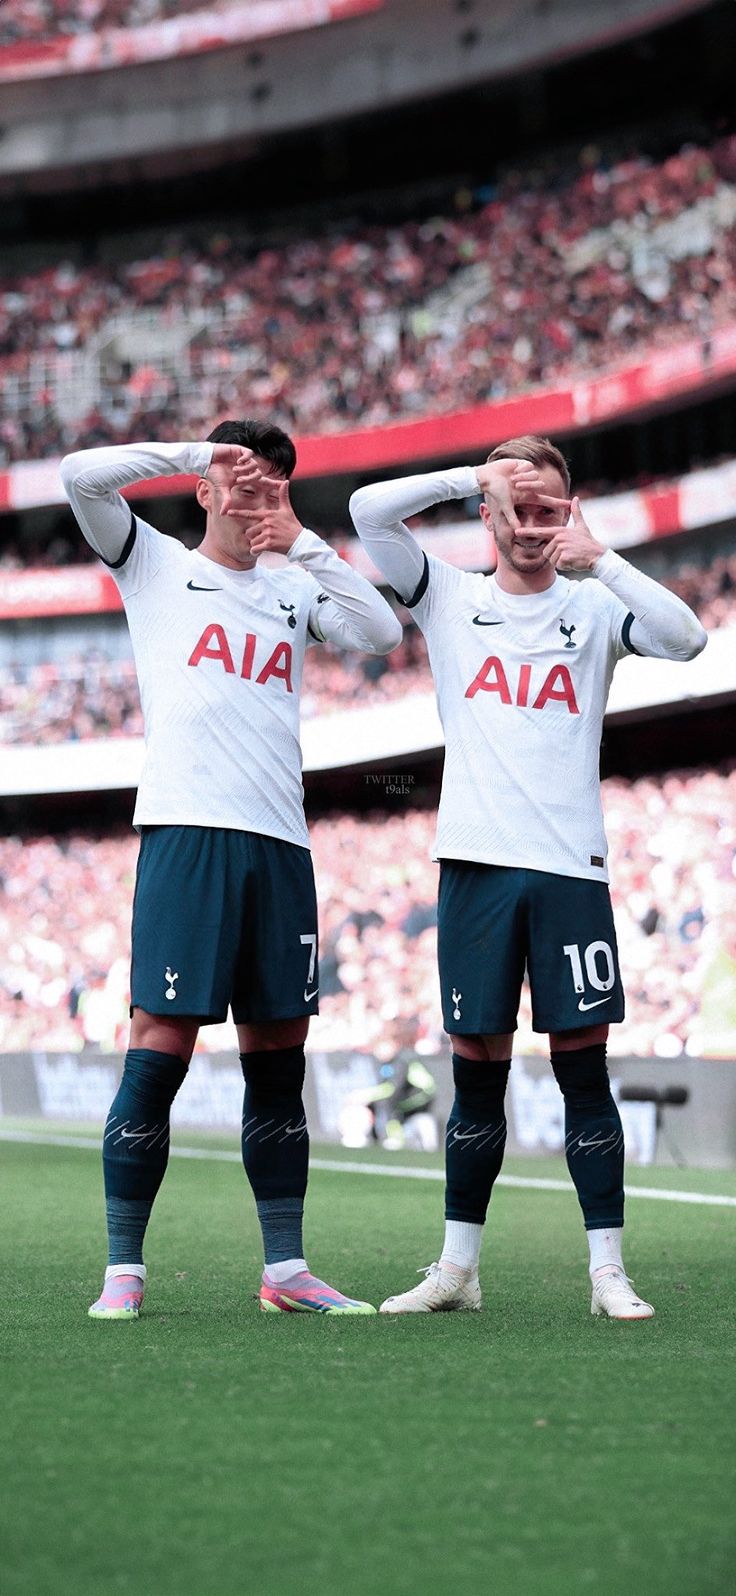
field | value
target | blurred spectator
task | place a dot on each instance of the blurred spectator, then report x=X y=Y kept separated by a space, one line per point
x=90 y=696
x=40 y=20
x=64 y=928
x=548 y=279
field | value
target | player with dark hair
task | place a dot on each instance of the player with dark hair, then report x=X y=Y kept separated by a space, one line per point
x=522 y=662
x=224 y=912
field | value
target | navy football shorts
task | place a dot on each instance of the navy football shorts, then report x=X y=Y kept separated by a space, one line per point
x=494 y=921
x=223 y=919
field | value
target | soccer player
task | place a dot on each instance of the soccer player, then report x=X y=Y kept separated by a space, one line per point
x=224 y=911
x=522 y=663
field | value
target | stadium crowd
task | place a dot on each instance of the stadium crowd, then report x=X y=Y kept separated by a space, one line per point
x=89 y=695
x=526 y=283
x=64 y=924
x=24 y=21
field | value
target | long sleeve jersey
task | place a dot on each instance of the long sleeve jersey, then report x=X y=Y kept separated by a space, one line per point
x=522 y=682
x=219 y=652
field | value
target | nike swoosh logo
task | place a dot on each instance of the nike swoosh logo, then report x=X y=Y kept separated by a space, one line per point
x=478 y=622
x=583 y=1006
x=466 y=1136
x=131 y=1135
x=194 y=587
x=309 y=995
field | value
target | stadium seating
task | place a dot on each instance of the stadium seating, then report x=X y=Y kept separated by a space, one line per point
x=90 y=695
x=64 y=926
x=554 y=273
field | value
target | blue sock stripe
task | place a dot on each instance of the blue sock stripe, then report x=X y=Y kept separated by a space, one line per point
x=126 y=1227
x=281 y=1220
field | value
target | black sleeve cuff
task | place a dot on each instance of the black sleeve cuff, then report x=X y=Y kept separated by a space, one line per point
x=625 y=634
x=127 y=549
x=419 y=590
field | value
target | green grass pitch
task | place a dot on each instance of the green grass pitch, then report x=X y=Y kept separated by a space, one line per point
x=210 y=1450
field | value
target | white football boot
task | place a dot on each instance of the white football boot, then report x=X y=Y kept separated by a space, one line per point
x=614 y=1295
x=446 y=1288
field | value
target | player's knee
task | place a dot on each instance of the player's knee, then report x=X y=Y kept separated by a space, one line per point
x=480 y=1087
x=163 y=1034
x=582 y=1074
x=273 y=1035
x=151 y=1078
x=274 y=1072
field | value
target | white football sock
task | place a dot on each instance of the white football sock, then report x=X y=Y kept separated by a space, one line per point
x=114 y=1270
x=605 y=1249
x=279 y=1272
x=462 y=1243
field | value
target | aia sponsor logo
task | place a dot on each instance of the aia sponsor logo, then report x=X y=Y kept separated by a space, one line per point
x=556 y=688
x=213 y=646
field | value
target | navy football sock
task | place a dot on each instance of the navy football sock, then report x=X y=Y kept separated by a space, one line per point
x=275 y=1146
x=594 y=1138
x=136 y=1147
x=476 y=1136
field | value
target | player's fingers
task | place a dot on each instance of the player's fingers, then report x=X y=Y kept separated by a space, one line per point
x=536 y=532
x=576 y=512
x=549 y=499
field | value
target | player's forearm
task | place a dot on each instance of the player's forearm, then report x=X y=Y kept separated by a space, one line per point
x=663 y=626
x=379 y=512
x=93 y=480
x=356 y=616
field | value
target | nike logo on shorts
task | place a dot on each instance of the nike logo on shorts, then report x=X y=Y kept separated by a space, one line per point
x=583 y=1006
x=478 y=622
x=309 y=995
x=194 y=587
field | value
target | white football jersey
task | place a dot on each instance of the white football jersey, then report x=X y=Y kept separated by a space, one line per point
x=219 y=655
x=522 y=683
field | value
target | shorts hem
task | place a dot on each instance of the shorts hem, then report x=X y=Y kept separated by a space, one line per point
x=581 y=1023
x=483 y=1030
x=276 y=1019
x=166 y=1014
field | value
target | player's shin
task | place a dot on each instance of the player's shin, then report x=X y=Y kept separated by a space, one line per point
x=275 y=1146
x=136 y=1148
x=594 y=1138
x=474 y=1148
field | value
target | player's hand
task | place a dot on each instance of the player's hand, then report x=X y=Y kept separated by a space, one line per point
x=247 y=488
x=507 y=483
x=275 y=526
x=227 y=455
x=569 y=548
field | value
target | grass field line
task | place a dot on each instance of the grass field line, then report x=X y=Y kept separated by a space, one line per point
x=344 y=1166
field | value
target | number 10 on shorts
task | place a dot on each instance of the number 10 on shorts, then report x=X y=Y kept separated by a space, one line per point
x=593 y=952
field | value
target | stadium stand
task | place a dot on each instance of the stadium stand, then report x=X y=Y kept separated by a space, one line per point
x=565 y=264
x=65 y=932
x=24 y=20
x=91 y=695
x=543 y=277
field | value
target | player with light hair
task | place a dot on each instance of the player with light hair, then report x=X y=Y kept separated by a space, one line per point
x=225 y=913
x=522 y=663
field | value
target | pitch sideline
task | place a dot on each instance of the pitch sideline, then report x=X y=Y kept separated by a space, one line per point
x=342 y=1166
